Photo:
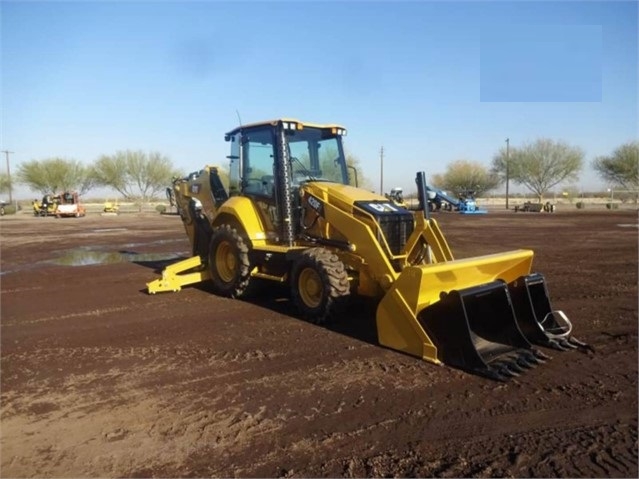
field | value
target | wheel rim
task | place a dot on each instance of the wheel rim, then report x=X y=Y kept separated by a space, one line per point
x=225 y=262
x=310 y=287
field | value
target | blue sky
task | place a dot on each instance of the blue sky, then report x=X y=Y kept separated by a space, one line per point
x=432 y=82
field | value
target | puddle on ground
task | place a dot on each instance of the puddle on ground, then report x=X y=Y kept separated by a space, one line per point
x=86 y=257
x=166 y=241
x=628 y=225
x=95 y=255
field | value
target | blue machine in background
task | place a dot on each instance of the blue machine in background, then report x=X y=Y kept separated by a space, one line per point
x=466 y=204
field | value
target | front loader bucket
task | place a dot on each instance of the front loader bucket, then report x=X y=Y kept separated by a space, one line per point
x=537 y=320
x=475 y=330
x=459 y=313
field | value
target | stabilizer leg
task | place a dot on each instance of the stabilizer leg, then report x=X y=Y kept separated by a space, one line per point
x=175 y=276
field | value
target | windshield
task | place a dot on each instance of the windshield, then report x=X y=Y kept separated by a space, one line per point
x=316 y=154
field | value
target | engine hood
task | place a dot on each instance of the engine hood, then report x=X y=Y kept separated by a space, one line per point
x=339 y=193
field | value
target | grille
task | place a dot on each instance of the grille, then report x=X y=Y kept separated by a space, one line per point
x=396 y=230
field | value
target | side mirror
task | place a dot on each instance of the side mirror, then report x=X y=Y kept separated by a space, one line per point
x=351 y=167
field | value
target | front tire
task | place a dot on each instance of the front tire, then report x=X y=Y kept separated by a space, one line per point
x=229 y=262
x=319 y=285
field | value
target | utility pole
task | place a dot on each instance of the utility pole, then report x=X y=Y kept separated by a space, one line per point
x=7 y=152
x=507 y=168
x=381 y=173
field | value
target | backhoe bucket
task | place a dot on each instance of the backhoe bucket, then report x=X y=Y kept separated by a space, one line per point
x=460 y=313
x=537 y=320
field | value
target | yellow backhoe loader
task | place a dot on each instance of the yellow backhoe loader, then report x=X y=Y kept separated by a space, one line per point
x=290 y=216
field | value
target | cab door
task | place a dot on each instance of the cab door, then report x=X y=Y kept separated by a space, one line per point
x=258 y=180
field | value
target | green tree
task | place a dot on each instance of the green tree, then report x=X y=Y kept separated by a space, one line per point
x=55 y=175
x=135 y=174
x=540 y=166
x=363 y=181
x=354 y=169
x=5 y=183
x=622 y=167
x=462 y=176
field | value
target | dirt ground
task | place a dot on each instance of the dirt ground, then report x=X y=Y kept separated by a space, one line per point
x=100 y=379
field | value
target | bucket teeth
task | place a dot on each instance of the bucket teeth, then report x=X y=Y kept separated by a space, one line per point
x=578 y=343
x=493 y=373
x=527 y=361
x=504 y=370
x=558 y=344
x=567 y=345
x=523 y=363
x=540 y=356
x=512 y=365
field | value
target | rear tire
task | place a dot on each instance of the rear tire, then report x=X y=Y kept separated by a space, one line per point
x=229 y=262
x=319 y=285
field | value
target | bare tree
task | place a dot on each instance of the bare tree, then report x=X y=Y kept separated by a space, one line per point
x=462 y=176
x=541 y=165
x=53 y=175
x=135 y=174
x=622 y=167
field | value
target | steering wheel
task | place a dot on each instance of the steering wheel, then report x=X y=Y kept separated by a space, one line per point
x=252 y=182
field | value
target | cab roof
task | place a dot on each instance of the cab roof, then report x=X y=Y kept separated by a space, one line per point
x=282 y=120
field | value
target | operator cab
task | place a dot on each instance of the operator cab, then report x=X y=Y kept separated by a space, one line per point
x=286 y=150
x=270 y=160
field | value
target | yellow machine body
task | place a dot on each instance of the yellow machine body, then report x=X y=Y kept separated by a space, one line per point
x=291 y=215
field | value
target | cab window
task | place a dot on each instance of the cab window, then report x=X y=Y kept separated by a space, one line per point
x=258 y=153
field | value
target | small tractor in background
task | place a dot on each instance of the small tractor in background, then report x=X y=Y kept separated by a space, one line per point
x=464 y=204
x=69 y=206
x=529 y=207
x=290 y=217
x=396 y=195
x=47 y=206
x=111 y=207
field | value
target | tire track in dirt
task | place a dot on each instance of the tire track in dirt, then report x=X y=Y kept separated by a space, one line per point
x=141 y=424
x=538 y=452
x=488 y=460
x=522 y=403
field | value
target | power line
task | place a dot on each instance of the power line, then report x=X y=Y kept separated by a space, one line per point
x=507 y=168
x=7 y=152
x=381 y=167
